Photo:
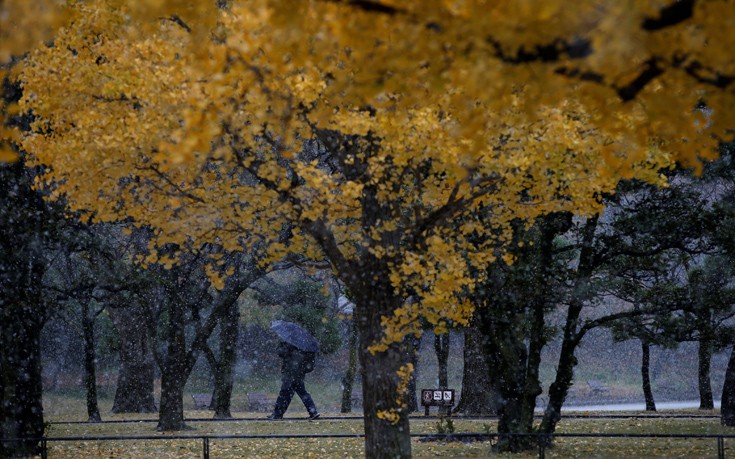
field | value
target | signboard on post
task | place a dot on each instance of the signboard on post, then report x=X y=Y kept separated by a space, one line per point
x=436 y=397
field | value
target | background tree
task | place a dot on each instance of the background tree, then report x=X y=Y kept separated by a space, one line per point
x=514 y=303
x=649 y=332
x=675 y=261
x=223 y=368
x=348 y=380
x=177 y=304
x=307 y=304
x=712 y=300
x=640 y=221
x=479 y=394
x=725 y=236
x=576 y=273
x=84 y=274
x=122 y=288
x=135 y=382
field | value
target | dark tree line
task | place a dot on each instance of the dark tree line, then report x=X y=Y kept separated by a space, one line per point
x=662 y=251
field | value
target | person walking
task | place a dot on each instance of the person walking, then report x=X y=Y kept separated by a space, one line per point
x=295 y=364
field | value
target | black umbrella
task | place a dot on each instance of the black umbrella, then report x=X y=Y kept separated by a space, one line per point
x=295 y=335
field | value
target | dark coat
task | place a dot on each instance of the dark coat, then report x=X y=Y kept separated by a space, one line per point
x=295 y=362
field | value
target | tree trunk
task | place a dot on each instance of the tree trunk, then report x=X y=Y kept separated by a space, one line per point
x=508 y=357
x=90 y=363
x=173 y=373
x=543 y=278
x=571 y=335
x=179 y=362
x=536 y=342
x=706 y=401
x=134 y=392
x=479 y=396
x=414 y=345
x=349 y=378
x=171 y=414
x=727 y=409
x=387 y=431
x=27 y=226
x=223 y=379
x=21 y=410
x=564 y=373
x=515 y=328
x=646 y=376
x=441 y=348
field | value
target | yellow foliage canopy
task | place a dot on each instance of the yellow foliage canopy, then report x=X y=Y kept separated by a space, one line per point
x=392 y=138
x=23 y=25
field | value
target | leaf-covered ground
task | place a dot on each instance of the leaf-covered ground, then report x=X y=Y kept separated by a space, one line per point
x=353 y=447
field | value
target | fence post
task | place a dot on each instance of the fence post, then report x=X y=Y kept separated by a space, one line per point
x=205 y=447
x=44 y=448
x=543 y=441
x=720 y=448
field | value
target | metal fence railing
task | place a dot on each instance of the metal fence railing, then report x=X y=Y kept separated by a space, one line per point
x=421 y=417
x=543 y=440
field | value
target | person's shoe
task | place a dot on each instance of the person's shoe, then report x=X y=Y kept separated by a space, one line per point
x=313 y=416
x=274 y=417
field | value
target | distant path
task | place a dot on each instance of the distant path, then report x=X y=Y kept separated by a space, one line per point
x=636 y=406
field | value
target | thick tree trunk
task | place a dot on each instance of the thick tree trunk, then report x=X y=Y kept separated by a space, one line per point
x=22 y=317
x=387 y=431
x=479 y=396
x=507 y=359
x=90 y=364
x=171 y=414
x=21 y=409
x=223 y=378
x=509 y=356
x=134 y=392
x=706 y=401
x=174 y=373
x=646 y=375
x=727 y=409
x=441 y=348
x=349 y=378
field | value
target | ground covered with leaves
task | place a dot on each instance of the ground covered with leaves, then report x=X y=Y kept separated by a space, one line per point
x=281 y=446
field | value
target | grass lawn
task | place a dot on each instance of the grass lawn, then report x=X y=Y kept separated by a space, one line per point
x=353 y=447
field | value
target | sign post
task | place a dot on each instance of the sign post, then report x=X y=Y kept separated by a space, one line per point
x=436 y=397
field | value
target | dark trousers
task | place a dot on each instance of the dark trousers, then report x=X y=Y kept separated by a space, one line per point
x=289 y=385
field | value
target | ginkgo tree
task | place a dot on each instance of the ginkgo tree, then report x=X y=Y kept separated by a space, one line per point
x=396 y=140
